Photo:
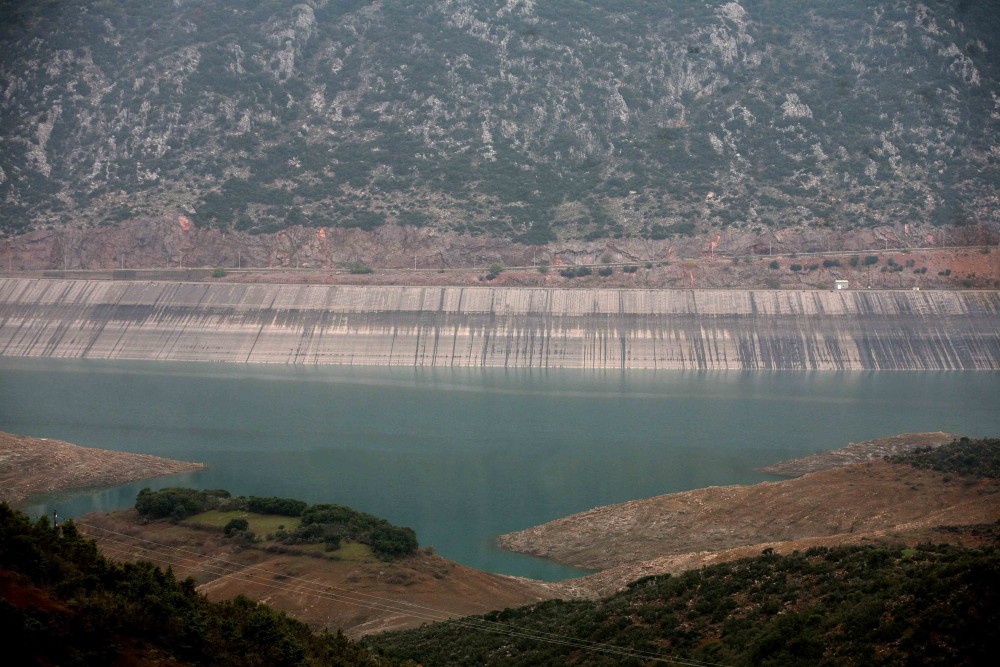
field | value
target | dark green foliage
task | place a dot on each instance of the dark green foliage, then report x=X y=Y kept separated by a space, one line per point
x=177 y=503
x=774 y=264
x=576 y=272
x=605 y=271
x=980 y=458
x=657 y=232
x=829 y=263
x=320 y=523
x=65 y=604
x=359 y=268
x=854 y=261
x=272 y=505
x=795 y=267
x=870 y=260
x=328 y=523
x=414 y=218
x=825 y=606
x=236 y=526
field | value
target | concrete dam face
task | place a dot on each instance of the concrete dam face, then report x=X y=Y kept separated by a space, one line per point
x=501 y=327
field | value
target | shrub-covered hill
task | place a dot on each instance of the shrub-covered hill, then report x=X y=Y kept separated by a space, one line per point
x=525 y=119
x=62 y=603
x=862 y=605
x=964 y=456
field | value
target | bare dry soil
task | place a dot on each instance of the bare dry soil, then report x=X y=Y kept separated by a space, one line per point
x=32 y=466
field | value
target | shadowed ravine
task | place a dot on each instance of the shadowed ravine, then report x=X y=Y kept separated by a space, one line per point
x=502 y=327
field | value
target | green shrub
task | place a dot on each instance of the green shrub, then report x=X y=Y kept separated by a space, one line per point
x=272 y=505
x=575 y=272
x=236 y=526
x=774 y=264
x=871 y=259
x=177 y=503
x=218 y=273
x=359 y=268
x=796 y=267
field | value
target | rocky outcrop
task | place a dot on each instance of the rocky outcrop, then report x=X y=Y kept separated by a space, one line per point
x=501 y=327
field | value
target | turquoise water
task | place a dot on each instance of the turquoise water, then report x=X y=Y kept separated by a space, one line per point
x=464 y=455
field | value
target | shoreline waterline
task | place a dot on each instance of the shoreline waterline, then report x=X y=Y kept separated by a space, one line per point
x=464 y=455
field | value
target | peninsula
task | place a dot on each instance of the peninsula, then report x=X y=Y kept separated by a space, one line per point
x=34 y=466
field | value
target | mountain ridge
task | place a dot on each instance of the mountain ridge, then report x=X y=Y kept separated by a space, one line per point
x=520 y=120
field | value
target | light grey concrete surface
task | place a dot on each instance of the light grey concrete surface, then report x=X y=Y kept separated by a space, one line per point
x=501 y=327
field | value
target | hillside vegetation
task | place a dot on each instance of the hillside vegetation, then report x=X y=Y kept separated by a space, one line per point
x=521 y=119
x=62 y=603
x=864 y=605
x=964 y=456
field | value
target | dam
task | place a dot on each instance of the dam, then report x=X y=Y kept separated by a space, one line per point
x=501 y=327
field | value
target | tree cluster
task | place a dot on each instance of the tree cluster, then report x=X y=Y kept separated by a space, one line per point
x=324 y=523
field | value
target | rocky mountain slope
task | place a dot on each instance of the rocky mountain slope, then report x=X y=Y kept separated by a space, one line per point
x=519 y=119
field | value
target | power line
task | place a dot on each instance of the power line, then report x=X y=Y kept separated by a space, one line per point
x=377 y=603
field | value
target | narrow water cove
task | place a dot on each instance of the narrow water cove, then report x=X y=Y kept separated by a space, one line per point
x=464 y=455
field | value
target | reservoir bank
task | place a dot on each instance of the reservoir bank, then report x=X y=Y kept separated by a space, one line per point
x=463 y=455
x=606 y=329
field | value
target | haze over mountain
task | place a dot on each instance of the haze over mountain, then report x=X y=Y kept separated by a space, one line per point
x=519 y=118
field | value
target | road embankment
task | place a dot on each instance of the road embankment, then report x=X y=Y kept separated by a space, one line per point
x=501 y=327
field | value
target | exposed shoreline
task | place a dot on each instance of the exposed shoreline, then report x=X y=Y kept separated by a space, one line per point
x=501 y=327
x=31 y=467
x=858 y=452
x=851 y=502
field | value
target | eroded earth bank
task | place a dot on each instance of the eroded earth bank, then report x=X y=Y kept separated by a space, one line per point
x=850 y=500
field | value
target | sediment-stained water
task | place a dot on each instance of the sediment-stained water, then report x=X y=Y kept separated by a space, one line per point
x=462 y=455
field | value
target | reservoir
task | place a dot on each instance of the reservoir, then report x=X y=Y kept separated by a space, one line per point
x=462 y=455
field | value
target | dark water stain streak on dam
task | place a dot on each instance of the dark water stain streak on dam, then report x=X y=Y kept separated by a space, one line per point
x=501 y=327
